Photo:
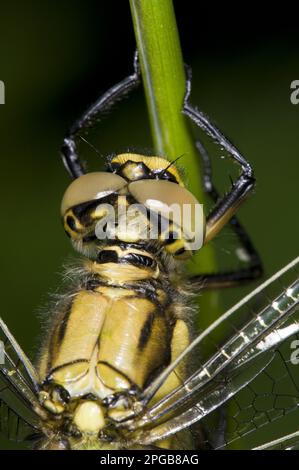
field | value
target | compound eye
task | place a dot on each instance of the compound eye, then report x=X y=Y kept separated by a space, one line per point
x=175 y=204
x=89 y=187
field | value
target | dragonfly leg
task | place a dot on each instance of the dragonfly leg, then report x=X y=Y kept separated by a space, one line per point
x=254 y=269
x=117 y=92
x=226 y=206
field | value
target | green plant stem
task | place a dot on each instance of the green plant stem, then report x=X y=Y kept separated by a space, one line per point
x=164 y=82
x=163 y=74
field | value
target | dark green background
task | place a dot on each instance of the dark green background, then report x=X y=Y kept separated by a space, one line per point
x=55 y=58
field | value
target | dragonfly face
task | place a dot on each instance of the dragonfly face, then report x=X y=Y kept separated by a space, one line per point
x=130 y=204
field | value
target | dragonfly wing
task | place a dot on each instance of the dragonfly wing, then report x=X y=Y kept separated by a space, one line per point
x=271 y=396
x=13 y=424
x=219 y=391
x=288 y=442
x=264 y=403
x=263 y=332
x=19 y=405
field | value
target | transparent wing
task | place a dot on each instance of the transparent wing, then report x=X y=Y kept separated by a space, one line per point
x=209 y=399
x=288 y=442
x=19 y=406
x=271 y=396
x=230 y=367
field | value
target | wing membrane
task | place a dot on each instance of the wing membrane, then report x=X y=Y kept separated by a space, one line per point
x=18 y=390
x=273 y=395
x=288 y=442
x=254 y=340
x=210 y=398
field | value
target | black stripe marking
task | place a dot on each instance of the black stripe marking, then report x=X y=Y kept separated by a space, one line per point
x=55 y=335
x=146 y=331
x=171 y=237
x=136 y=259
x=71 y=223
x=149 y=246
x=108 y=256
x=180 y=251
x=82 y=211
x=63 y=325
x=139 y=260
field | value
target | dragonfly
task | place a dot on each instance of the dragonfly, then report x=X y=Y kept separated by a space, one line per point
x=116 y=369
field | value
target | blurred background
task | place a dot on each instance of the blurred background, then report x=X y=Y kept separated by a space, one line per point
x=57 y=57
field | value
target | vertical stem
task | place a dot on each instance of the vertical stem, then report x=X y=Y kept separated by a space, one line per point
x=163 y=74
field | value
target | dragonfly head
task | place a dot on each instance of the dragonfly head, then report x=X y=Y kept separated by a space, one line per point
x=140 y=199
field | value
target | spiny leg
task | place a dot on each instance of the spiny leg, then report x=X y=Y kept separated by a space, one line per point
x=70 y=156
x=233 y=277
x=226 y=206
